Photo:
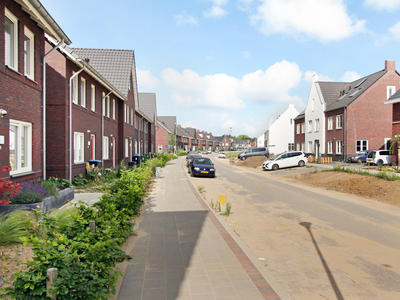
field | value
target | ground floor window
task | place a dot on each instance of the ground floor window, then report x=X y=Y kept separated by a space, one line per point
x=310 y=147
x=79 y=147
x=297 y=146
x=330 y=147
x=338 y=147
x=106 y=147
x=361 y=145
x=302 y=147
x=291 y=147
x=20 y=147
x=126 y=148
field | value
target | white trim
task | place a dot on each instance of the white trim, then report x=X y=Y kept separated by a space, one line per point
x=83 y=91
x=108 y=106
x=93 y=97
x=75 y=88
x=361 y=146
x=106 y=147
x=330 y=123
x=79 y=147
x=12 y=61
x=16 y=145
x=337 y=121
x=126 y=148
x=29 y=55
x=339 y=145
x=113 y=113
x=330 y=147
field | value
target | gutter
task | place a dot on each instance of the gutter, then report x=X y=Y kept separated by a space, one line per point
x=44 y=85
x=70 y=120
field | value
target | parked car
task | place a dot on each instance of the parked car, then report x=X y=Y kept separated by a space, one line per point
x=192 y=153
x=263 y=151
x=380 y=157
x=362 y=158
x=202 y=166
x=285 y=160
x=190 y=158
x=221 y=155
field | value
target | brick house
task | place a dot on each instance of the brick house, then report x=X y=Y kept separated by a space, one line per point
x=148 y=106
x=168 y=126
x=22 y=48
x=395 y=101
x=186 y=138
x=226 y=142
x=299 y=132
x=358 y=119
x=195 y=139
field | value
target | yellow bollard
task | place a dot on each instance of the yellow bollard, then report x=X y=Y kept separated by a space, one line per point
x=222 y=201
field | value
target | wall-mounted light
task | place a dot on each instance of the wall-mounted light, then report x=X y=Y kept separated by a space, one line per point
x=3 y=112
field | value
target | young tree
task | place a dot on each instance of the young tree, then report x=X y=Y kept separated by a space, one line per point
x=171 y=140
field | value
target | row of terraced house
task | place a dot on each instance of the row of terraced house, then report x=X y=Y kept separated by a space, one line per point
x=341 y=119
x=61 y=107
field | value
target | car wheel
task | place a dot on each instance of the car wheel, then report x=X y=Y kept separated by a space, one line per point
x=275 y=167
x=359 y=160
x=380 y=162
x=243 y=158
x=301 y=163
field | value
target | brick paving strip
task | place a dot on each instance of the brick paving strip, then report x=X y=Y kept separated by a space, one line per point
x=265 y=289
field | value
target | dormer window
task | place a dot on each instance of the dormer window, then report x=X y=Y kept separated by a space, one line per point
x=390 y=91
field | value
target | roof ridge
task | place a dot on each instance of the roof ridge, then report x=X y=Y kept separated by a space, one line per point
x=83 y=48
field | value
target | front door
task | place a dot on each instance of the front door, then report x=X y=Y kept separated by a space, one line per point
x=316 y=148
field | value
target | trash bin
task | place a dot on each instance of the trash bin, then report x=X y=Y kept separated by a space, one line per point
x=136 y=159
x=94 y=163
x=147 y=156
x=143 y=159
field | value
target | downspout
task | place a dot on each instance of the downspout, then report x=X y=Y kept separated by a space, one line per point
x=44 y=106
x=70 y=120
x=102 y=127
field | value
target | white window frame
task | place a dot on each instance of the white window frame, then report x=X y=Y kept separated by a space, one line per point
x=11 y=62
x=390 y=90
x=330 y=123
x=93 y=97
x=310 y=126
x=330 y=147
x=83 y=92
x=361 y=145
x=303 y=129
x=317 y=126
x=290 y=147
x=298 y=129
x=106 y=147
x=125 y=113
x=338 y=147
x=75 y=88
x=18 y=147
x=298 y=147
x=103 y=104
x=93 y=145
x=29 y=56
x=79 y=147
x=108 y=106
x=126 y=147
x=310 y=147
x=339 y=122
x=113 y=114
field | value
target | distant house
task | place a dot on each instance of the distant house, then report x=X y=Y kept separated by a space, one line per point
x=186 y=138
x=395 y=101
x=299 y=132
x=22 y=97
x=358 y=119
x=279 y=134
x=168 y=126
x=148 y=106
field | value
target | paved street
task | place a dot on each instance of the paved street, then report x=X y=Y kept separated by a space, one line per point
x=185 y=251
x=318 y=244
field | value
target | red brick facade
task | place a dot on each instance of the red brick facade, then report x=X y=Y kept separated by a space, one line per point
x=162 y=139
x=299 y=137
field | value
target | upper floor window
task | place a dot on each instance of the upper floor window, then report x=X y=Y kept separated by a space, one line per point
x=93 y=98
x=74 y=89
x=339 y=121
x=132 y=117
x=316 y=125
x=390 y=91
x=310 y=126
x=330 y=123
x=20 y=147
x=103 y=101
x=113 y=109
x=127 y=114
x=108 y=106
x=29 y=53
x=302 y=127
x=11 y=40
x=83 y=92
x=298 y=129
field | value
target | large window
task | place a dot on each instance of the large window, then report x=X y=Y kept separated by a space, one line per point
x=93 y=98
x=126 y=148
x=132 y=117
x=330 y=123
x=106 y=147
x=29 y=53
x=125 y=113
x=20 y=147
x=11 y=40
x=330 y=147
x=83 y=92
x=75 y=89
x=298 y=147
x=338 y=147
x=79 y=147
x=339 y=122
x=302 y=147
x=361 y=145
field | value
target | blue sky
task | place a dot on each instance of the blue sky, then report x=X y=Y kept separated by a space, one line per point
x=216 y=64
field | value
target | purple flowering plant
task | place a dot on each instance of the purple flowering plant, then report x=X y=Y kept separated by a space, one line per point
x=31 y=192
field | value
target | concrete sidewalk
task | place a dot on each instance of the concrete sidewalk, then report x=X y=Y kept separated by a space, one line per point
x=185 y=251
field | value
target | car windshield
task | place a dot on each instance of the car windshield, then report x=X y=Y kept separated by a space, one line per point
x=202 y=161
x=276 y=156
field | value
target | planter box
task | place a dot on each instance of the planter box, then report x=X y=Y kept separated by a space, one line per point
x=48 y=203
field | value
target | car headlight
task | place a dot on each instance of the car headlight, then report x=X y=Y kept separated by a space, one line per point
x=197 y=169
x=212 y=170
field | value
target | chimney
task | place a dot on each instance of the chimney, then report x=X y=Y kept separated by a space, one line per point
x=179 y=126
x=390 y=65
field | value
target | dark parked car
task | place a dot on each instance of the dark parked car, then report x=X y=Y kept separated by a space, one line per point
x=190 y=158
x=359 y=158
x=262 y=151
x=202 y=166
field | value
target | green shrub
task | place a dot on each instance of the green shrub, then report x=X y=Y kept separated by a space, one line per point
x=79 y=180
x=50 y=186
x=181 y=152
x=61 y=182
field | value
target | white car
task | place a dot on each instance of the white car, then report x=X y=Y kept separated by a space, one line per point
x=381 y=157
x=285 y=160
x=221 y=155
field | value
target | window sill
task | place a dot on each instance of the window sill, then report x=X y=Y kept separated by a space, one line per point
x=14 y=70
x=338 y=128
x=22 y=174
x=77 y=163
x=30 y=79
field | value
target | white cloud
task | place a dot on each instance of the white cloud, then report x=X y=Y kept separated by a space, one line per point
x=389 y=5
x=324 y=20
x=216 y=11
x=185 y=18
x=350 y=76
x=146 y=80
x=246 y=54
x=392 y=35
x=308 y=76
x=226 y=92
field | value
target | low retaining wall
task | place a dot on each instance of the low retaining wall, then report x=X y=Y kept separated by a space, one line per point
x=48 y=203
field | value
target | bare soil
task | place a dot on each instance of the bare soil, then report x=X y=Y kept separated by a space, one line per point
x=251 y=162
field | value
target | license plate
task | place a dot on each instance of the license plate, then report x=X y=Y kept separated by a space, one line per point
x=204 y=171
